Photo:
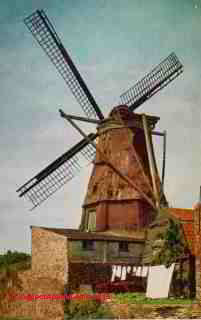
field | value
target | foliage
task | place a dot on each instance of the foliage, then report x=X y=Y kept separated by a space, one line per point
x=174 y=245
x=8 y=279
x=10 y=264
x=103 y=312
x=132 y=303
x=14 y=257
x=166 y=242
x=85 y=309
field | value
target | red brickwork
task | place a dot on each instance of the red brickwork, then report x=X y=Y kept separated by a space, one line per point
x=128 y=215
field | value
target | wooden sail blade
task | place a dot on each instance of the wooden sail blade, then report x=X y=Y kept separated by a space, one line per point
x=45 y=34
x=158 y=78
x=59 y=172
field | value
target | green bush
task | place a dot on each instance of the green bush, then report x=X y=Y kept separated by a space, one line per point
x=14 y=257
x=103 y=312
x=85 y=309
x=80 y=308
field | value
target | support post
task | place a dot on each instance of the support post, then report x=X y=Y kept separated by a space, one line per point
x=84 y=119
x=157 y=133
x=105 y=251
x=151 y=159
x=192 y=276
x=164 y=157
x=181 y=277
x=199 y=209
x=142 y=170
x=125 y=178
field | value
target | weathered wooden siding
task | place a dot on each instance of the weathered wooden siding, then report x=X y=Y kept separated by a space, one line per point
x=105 y=252
x=118 y=204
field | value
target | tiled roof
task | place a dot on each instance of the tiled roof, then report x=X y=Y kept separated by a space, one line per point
x=186 y=218
x=182 y=214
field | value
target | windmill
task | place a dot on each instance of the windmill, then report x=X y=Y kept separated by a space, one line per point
x=124 y=186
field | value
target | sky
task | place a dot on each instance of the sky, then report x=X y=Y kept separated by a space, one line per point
x=113 y=43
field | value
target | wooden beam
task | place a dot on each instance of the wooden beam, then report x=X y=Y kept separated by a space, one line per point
x=157 y=133
x=105 y=246
x=164 y=157
x=108 y=162
x=129 y=181
x=84 y=119
x=142 y=170
x=151 y=158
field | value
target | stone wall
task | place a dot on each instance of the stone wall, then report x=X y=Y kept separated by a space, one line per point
x=15 y=302
x=49 y=254
x=48 y=276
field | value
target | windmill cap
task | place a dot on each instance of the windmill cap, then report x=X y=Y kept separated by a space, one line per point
x=123 y=110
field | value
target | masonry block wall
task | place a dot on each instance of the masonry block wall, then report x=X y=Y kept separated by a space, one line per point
x=31 y=284
x=48 y=275
x=49 y=254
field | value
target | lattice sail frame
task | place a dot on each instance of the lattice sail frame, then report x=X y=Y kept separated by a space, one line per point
x=59 y=172
x=63 y=169
x=45 y=34
x=158 y=78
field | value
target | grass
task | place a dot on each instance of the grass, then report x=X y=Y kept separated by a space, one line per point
x=83 y=309
x=137 y=306
x=140 y=298
x=128 y=306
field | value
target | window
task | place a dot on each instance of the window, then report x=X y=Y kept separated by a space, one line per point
x=88 y=245
x=123 y=246
x=91 y=220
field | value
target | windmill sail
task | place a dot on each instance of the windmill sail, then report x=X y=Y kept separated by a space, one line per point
x=158 y=78
x=54 y=176
x=45 y=34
